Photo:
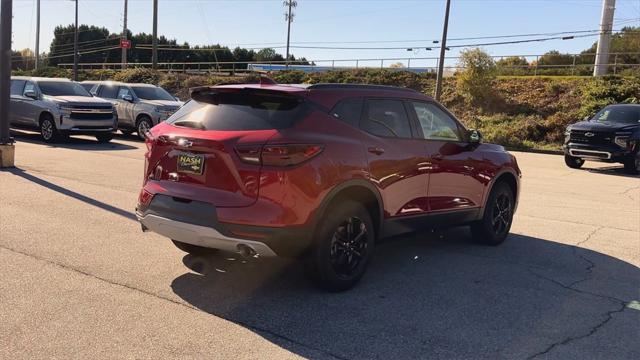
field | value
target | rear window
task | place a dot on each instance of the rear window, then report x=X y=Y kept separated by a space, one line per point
x=239 y=111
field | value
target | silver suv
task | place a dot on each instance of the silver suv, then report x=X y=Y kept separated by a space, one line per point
x=139 y=106
x=60 y=107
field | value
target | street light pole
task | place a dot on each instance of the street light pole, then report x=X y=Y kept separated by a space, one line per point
x=37 y=65
x=124 y=36
x=289 y=17
x=154 y=51
x=6 y=142
x=604 y=42
x=75 y=47
x=443 y=47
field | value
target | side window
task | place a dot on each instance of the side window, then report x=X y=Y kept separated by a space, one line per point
x=17 y=86
x=435 y=123
x=124 y=91
x=109 y=92
x=349 y=111
x=387 y=118
x=29 y=87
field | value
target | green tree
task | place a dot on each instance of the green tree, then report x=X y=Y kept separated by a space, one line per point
x=475 y=82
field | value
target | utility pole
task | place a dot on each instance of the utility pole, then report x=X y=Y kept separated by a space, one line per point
x=289 y=17
x=75 y=47
x=37 y=65
x=606 y=25
x=154 y=51
x=443 y=47
x=124 y=36
x=7 y=148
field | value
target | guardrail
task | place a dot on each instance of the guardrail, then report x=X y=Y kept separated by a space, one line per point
x=415 y=64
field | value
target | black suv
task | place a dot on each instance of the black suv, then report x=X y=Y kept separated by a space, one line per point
x=612 y=135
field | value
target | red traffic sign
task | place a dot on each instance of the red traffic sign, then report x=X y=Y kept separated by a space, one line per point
x=125 y=44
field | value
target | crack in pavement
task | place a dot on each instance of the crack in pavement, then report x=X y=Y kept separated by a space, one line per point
x=254 y=328
x=622 y=304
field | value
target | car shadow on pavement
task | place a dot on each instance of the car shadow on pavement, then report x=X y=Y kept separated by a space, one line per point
x=72 y=142
x=59 y=189
x=611 y=170
x=431 y=295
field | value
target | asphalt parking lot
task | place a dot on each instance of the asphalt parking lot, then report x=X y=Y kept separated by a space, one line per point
x=80 y=280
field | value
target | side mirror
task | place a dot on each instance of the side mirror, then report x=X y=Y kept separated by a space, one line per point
x=31 y=94
x=475 y=137
x=128 y=98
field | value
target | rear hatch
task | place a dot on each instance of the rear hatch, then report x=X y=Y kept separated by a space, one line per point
x=210 y=149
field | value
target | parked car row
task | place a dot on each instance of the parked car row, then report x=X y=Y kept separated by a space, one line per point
x=59 y=107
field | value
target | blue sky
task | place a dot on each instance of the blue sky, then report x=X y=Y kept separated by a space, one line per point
x=256 y=22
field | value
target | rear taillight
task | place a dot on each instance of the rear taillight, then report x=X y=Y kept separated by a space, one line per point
x=145 y=197
x=278 y=155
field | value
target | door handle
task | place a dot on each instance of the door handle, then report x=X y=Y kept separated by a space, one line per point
x=376 y=150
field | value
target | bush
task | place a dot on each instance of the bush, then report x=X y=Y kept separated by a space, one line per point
x=475 y=82
x=138 y=75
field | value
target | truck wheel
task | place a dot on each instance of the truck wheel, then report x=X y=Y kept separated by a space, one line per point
x=104 y=138
x=343 y=247
x=143 y=125
x=495 y=224
x=573 y=162
x=632 y=165
x=193 y=249
x=48 y=130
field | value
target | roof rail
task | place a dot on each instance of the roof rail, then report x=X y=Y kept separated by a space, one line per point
x=332 y=86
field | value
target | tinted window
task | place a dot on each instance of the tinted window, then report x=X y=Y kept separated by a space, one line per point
x=627 y=114
x=152 y=93
x=239 y=111
x=29 y=87
x=109 y=92
x=17 y=86
x=53 y=88
x=349 y=111
x=123 y=91
x=435 y=123
x=87 y=86
x=387 y=118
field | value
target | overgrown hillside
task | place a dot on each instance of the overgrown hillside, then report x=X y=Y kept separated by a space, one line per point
x=517 y=112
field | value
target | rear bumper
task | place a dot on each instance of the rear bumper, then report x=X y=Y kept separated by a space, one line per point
x=196 y=222
x=201 y=235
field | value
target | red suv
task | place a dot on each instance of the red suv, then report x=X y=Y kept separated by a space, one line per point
x=319 y=171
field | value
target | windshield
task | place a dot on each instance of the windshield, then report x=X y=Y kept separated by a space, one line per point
x=152 y=93
x=626 y=114
x=61 y=88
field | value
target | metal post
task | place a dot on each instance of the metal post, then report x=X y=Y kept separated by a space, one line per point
x=289 y=20
x=615 y=64
x=37 y=54
x=443 y=46
x=154 y=52
x=381 y=63
x=75 y=47
x=124 y=36
x=535 y=71
x=356 y=64
x=606 y=24
x=409 y=63
x=6 y=142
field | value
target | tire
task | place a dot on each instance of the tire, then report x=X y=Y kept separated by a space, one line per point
x=573 y=162
x=193 y=249
x=494 y=228
x=143 y=125
x=126 y=132
x=48 y=130
x=343 y=247
x=632 y=165
x=104 y=138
